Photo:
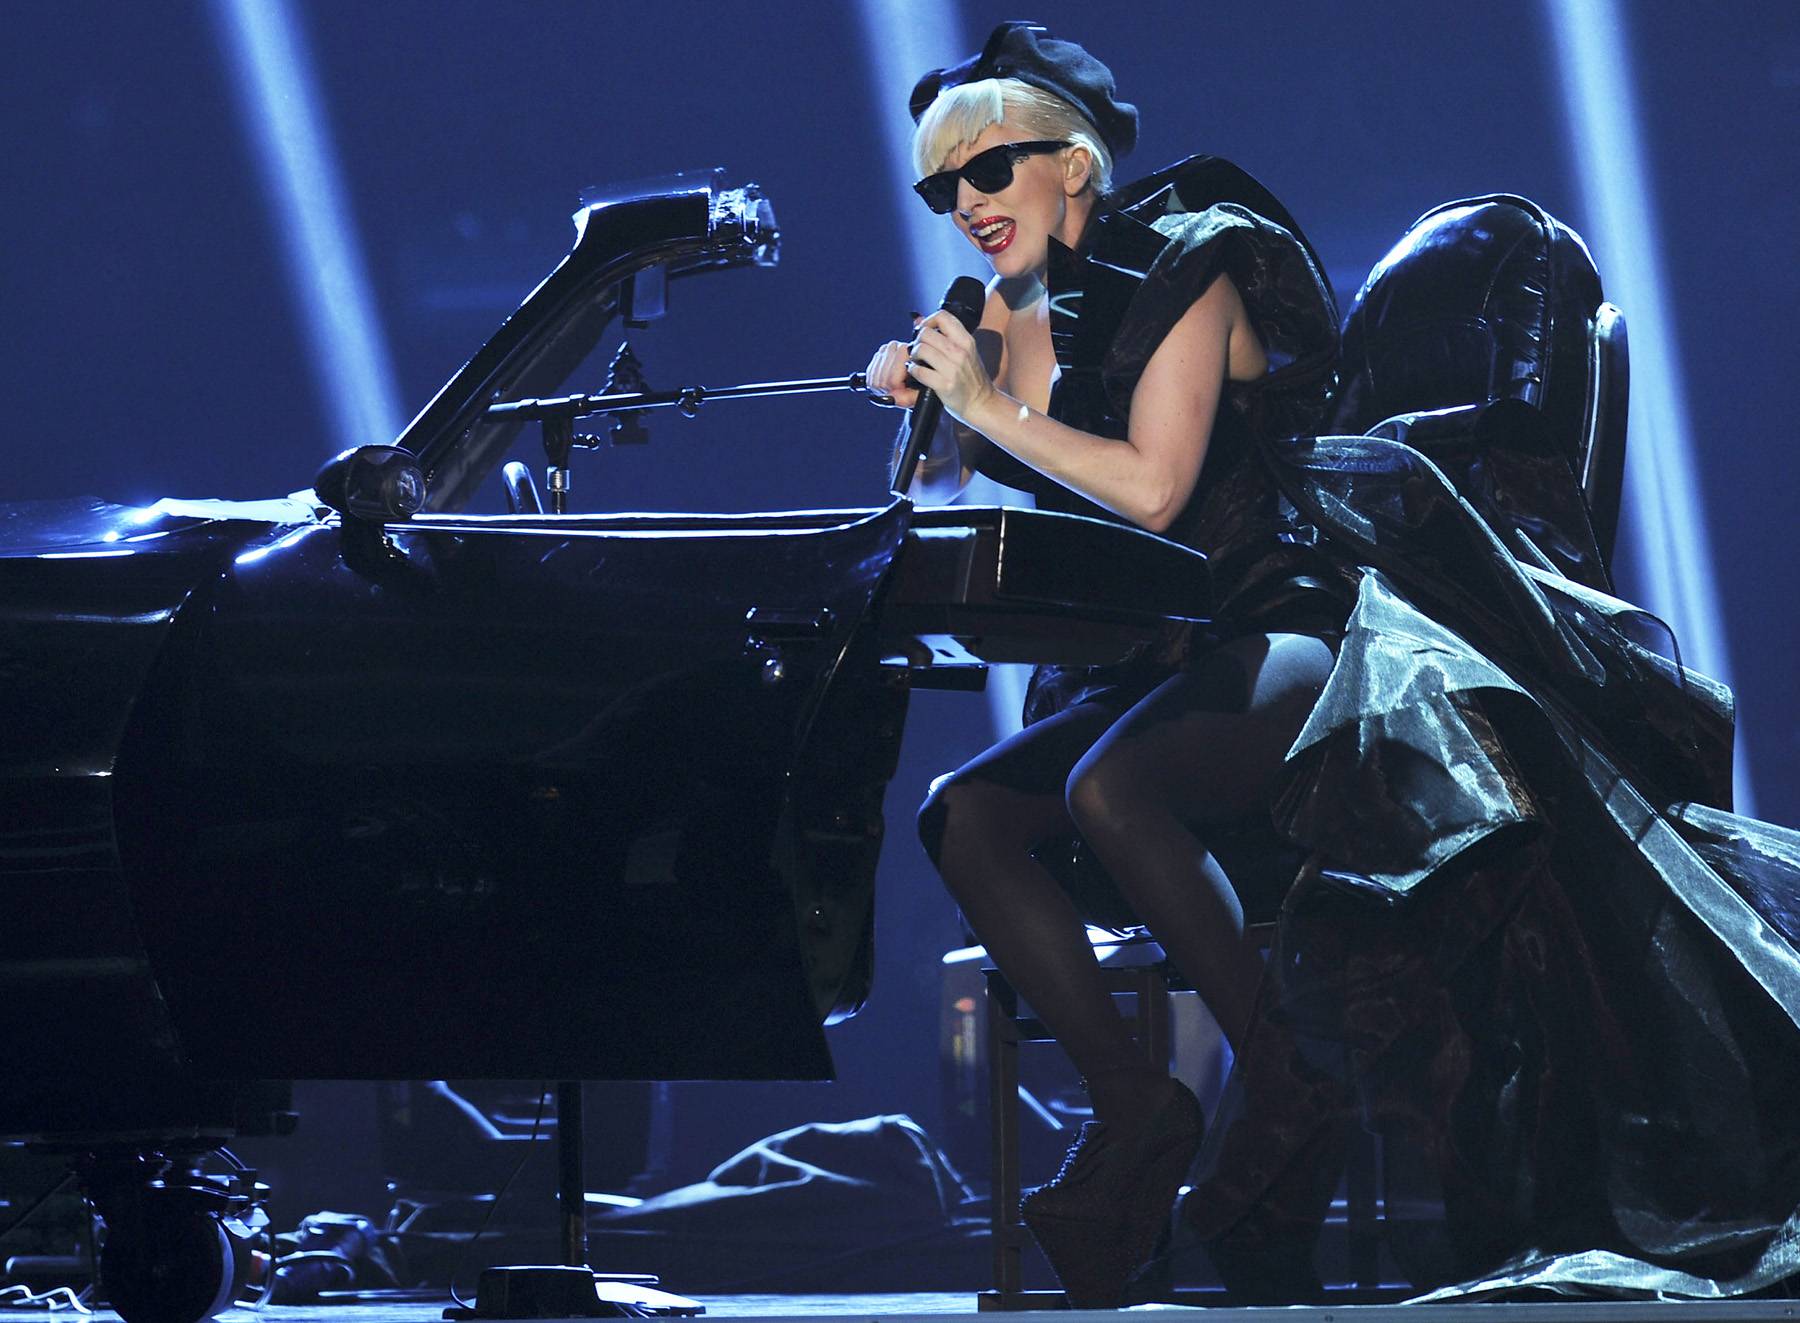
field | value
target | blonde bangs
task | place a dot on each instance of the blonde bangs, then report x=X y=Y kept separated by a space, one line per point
x=955 y=118
x=960 y=114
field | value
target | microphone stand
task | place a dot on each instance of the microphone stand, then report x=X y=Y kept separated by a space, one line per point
x=964 y=299
x=558 y=415
x=688 y=399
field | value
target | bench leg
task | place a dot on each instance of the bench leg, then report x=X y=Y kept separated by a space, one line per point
x=1006 y=1230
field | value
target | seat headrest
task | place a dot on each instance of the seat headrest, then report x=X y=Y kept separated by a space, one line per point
x=1487 y=298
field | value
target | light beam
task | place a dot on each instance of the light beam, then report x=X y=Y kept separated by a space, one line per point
x=278 y=98
x=901 y=40
x=1663 y=508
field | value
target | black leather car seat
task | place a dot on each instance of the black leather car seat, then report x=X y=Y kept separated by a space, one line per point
x=1485 y=301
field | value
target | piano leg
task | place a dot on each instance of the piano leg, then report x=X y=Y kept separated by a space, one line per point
x=571 y=1189
x=574 y=1290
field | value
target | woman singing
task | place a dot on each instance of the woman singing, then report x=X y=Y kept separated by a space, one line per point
x=1530 y=946
x=1135 y=345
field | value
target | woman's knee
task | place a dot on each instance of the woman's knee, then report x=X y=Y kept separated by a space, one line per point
x=961 y=809
x=1106 y=790
x=934 y=816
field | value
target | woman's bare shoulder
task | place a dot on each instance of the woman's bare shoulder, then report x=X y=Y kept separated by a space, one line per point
x=1218 y=316
x=1247 y=359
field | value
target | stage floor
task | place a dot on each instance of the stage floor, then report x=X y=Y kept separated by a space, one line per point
x=899 y=1307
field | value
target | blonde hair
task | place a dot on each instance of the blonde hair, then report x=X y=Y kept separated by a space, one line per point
x=958 y=115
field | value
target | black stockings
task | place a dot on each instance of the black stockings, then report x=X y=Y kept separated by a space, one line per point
x=1142 y=788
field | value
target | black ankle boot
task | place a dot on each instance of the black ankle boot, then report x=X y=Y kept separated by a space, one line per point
x=1099 y=1218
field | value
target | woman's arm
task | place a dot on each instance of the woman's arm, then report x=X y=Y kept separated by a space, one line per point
x=1148 y=477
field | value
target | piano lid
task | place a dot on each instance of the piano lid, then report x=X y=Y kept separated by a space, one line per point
x=684 y=223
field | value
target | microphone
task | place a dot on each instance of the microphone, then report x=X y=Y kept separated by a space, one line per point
x=965 y=299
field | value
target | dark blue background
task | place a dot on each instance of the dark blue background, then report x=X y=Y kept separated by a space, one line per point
x=153 y=346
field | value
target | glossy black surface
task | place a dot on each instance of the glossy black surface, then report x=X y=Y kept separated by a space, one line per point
x=1484 y=299
x=543 y=796
x=978 y=585
x=1492 y=301
x=89 y=594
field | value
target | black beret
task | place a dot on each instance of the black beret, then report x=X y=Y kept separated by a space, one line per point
x=1028 y=52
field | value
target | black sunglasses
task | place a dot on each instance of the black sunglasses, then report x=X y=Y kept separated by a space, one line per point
x=988 y=171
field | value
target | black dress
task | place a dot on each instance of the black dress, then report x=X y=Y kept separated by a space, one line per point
x=1145 y=258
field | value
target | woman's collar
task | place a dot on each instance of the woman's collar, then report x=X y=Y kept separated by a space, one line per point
x=1090 y=289
x=1112 y=238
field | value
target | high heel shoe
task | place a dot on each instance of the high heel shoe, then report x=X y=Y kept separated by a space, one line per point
x=1098 y=1219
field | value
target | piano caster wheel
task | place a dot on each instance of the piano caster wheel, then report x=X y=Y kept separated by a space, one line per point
x=168 y=1266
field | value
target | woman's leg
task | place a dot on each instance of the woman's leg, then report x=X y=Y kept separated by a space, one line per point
x=1201 y=749
x=979 y=826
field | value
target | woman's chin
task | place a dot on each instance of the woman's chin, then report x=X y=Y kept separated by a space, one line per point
x=1011 y=260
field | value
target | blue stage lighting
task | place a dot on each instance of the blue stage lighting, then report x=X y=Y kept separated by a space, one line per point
x=1663 y=510
x=901 y=40
x=278 y=98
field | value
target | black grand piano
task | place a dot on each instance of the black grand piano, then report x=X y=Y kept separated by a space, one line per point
x=364 y=786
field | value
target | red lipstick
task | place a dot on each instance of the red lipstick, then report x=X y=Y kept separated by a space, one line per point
x=993 y=234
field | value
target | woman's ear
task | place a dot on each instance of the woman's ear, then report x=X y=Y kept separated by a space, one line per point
x=1078 y=169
